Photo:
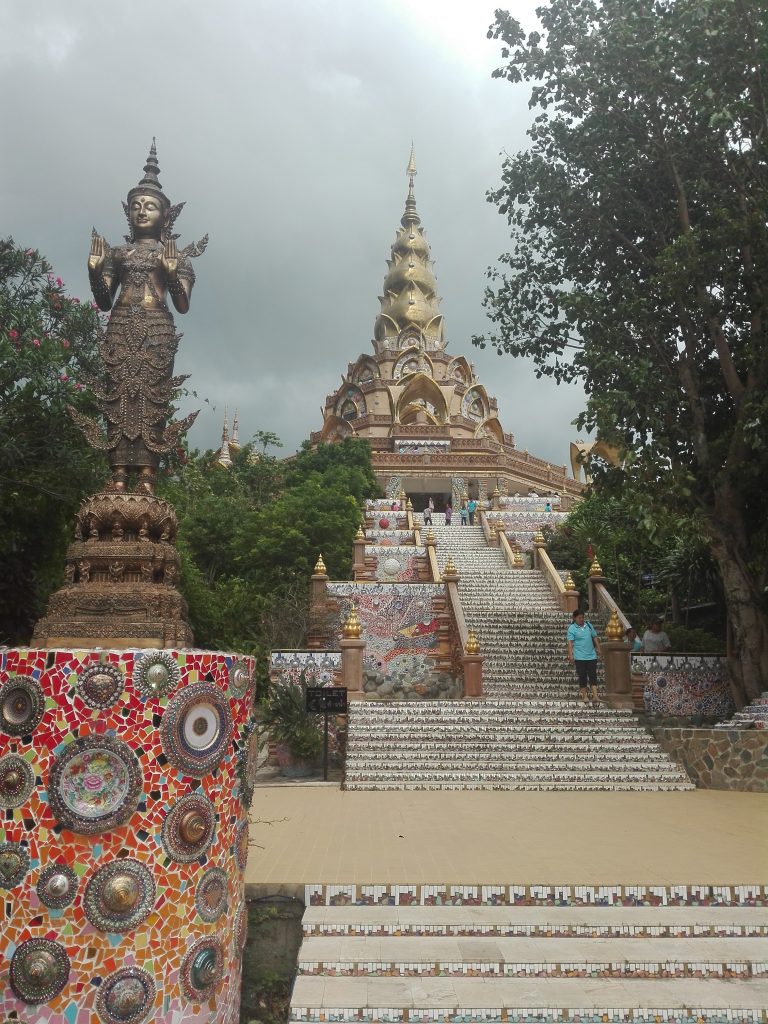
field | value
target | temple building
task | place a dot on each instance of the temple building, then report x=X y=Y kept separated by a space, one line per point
x=433 y=428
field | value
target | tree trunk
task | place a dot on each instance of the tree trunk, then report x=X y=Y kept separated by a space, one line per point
x=747 y=619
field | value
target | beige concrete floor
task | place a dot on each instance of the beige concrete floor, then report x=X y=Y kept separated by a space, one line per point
x=304 y=834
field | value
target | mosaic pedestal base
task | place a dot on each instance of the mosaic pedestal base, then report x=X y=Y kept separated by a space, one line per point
x=124 y=835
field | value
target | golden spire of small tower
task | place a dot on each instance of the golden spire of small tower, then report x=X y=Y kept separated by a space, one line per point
x=234 y=443
x=353 y=627
x=320 y=569
x=410 y=290
x=223 y=458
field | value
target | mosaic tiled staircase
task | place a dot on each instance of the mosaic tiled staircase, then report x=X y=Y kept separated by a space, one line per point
x=754 y=716
x=529 y=733
x=538 y=953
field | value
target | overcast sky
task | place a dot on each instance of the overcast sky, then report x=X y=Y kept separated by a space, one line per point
x=286 y=125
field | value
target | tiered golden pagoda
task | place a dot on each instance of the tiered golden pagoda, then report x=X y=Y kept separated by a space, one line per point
x=433 y=428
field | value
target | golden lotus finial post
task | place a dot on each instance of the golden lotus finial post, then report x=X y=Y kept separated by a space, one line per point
x=352 y=628
x=539 y=539
x=595 y=568
x=569 y=583
x=450 y=571
x=429 y=537
x=360 y=535
x=472 y=646
x=320 y=569
x=409 y=506
x=614 y=630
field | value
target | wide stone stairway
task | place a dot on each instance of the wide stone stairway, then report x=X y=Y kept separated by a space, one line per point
x=533 y=953
x=529 y=732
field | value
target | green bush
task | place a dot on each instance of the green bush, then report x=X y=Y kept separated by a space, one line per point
x=693 y=641
x=284 y=715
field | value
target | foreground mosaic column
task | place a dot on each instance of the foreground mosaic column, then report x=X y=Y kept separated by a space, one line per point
x=125 y=780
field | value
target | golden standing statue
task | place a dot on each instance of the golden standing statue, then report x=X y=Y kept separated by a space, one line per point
x=139 y=346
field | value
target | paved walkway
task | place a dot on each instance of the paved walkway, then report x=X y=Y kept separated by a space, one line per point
x=323 y=834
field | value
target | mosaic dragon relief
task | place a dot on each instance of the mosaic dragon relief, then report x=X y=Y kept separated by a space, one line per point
x=402 y=638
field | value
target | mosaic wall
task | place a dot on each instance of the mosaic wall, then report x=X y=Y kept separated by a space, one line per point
x=125 y=777
x=397 y=564
x=732 y=759
x=524 y=503
x=686 y=685
x=401 y=632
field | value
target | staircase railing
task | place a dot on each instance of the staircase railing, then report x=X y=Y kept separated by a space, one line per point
x=616 y=652
x=568 y=600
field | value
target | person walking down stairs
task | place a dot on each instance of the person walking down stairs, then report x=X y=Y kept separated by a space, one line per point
x=583 y=652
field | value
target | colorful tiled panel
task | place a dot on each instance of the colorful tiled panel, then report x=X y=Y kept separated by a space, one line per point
x=395 y=895
x=396 y=564
x=685 y=684
x=318 y=667
x=402 y=637
x=124 y=838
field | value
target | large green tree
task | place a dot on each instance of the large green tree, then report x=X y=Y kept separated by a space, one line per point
x=48 y=349
x=639 y=258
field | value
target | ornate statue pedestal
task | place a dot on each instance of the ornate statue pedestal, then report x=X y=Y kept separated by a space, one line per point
x=125 y=780
x=121 y=574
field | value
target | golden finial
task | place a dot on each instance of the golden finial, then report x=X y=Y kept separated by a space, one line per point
x=449 y=568
x=360 y=535
x=352 y=628
x=492 y=525
x=614 y=631
x=403 y=495
x=519 y=560
x=409 y=506
x=320 y=569
x=496 y=492
x=429 y=537
x=539 y=538
x=465 y=495
x=595 y=569
x=569 y=583
x=472 y=646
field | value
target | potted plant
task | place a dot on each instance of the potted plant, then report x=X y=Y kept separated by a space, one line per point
x=284 y=715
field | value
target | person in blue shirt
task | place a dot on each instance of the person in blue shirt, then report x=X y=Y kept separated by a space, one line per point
x=471 y=509
x=583 y=652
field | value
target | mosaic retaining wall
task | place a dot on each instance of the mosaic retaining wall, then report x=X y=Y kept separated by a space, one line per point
x=685 y=684
x=318 y=666
x=402 y=636
x=735 y=759
x=389 y=538
x=125 y=777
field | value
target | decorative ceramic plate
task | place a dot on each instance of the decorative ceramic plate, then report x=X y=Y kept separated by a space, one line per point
x=17 y=781
x=202 y=969
x=126 y=996
x=39 y=970
x=95 y=784
x=119 y=896
x=22 y=704
x=14 y=864
x=188 y=828
x=57 y=886
x=196 y=729
x=99 y=686
x=240 y=929
x=156 y=673
x=211 y=895
x=239 y=678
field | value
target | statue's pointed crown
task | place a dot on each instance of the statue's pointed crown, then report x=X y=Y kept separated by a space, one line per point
x=151 y=180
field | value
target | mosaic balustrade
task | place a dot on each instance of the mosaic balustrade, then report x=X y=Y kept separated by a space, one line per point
x=532 y=1015
x=126 y=778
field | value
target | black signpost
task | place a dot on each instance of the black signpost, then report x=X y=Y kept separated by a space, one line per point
x=325 y=701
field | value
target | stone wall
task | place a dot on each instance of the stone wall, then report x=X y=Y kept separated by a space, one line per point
x=735 y=759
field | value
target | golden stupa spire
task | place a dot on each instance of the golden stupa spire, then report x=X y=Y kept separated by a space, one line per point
x=223 y=457
x=410 y=296
x=234 y=444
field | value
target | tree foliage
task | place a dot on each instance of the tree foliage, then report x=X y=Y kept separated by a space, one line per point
x=639 y=263
x=48 y=348
x=249 y=536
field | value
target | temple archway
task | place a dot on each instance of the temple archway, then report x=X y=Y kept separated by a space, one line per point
x=365 y=369
x=350 y=403
x=460 y=370
x=412 y=360
x=336 y=429
x=422 y=401
x=475 y=404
